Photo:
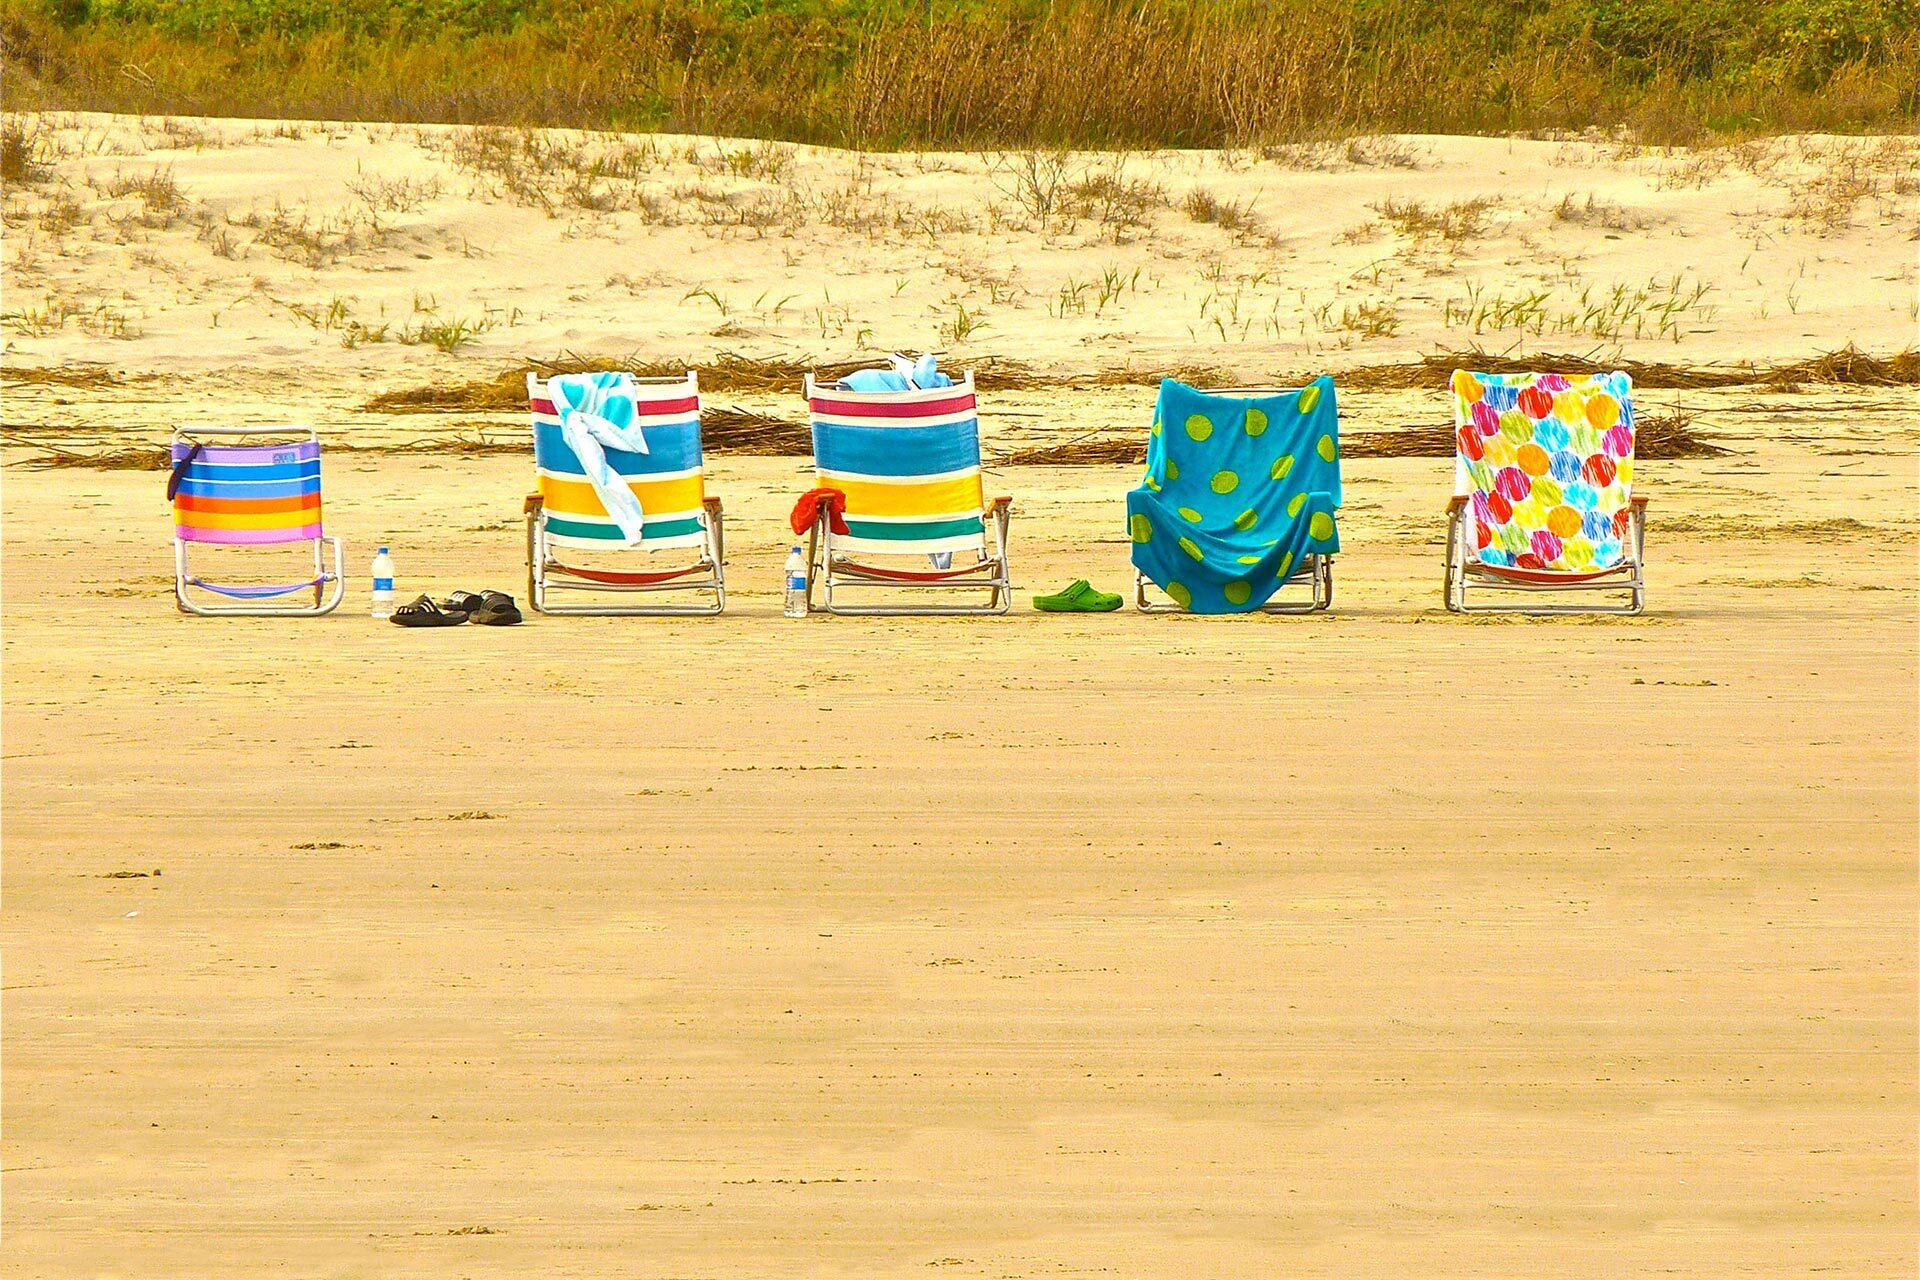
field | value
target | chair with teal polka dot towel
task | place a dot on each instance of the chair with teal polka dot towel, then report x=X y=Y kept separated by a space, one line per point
x=1239 y=500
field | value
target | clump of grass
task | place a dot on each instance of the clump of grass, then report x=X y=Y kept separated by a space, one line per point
x=1203 y=206
x=1656 y=309
x=213 y=232
x=1595 y=212
x=393 y=195
x=1036 y=180
x=1369 y=151
x=178 y=135
x=1845 y=176
x=962 y=325
x=60 y=214
x=26 y=154
x=160 y=197
x=447 y=335
x=1369 y=319
x=764 y=161
x=299 y=237
x=552 y=172
x=101 y=320
x=1106 y=195
x=1460 y=220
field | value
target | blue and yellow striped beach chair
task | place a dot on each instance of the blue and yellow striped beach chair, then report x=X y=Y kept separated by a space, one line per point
x=909 y=465
x=250 y=496
x=670 y=483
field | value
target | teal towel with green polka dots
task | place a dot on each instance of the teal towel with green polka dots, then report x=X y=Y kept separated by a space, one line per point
x=1240 y=491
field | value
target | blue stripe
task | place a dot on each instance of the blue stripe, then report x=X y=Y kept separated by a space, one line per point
x=200 y=470
x=251 y=490
x=896 y=451
x=671 y=448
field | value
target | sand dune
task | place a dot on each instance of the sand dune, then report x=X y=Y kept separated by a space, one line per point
x=269 y=251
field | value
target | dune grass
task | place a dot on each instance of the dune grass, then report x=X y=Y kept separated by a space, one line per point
x=988 y=73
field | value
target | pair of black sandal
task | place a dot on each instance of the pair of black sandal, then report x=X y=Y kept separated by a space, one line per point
x=481 y=608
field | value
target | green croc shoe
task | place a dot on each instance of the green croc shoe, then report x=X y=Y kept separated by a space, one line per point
x=1078 y=597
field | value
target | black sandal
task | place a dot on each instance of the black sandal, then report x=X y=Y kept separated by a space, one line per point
x=463 y=602
x=496 y=609
x=421 y=611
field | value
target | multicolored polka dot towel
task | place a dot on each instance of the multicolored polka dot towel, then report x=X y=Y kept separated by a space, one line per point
x=1548 y=463
x=1240 y=490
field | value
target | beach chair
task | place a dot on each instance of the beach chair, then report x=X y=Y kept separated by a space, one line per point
x=909 y=465
x=1543 y=507
x=1239 y=501
x=567 y=513
x=250 y=496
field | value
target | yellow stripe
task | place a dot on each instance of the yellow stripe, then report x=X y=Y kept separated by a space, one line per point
x=577 y=498
x=938 y=498
x=221 y=520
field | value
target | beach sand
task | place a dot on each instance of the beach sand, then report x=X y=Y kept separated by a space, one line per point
x=1374 y=943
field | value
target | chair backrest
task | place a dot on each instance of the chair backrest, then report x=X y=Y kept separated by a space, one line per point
x=247 y=493
x=1548 y=465
x=909 y=463
x=1244 y=443
x=668 y=479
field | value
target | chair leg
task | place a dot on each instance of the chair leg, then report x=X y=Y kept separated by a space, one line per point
x=817 y=556
x=536 y=568
x=1455 y=590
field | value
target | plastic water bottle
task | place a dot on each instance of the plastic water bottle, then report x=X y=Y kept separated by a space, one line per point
x=796 y=583
x=383 y=585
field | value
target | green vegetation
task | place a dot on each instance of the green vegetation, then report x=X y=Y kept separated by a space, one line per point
x=969 y=73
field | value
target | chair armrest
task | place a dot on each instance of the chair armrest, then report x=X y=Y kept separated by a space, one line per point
x=1456 y=502
x=711 y=504
x=533 y=503
x=1637 y=502
x=996 y=505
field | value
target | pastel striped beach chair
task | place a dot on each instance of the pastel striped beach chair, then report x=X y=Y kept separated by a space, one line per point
x=250 y=496
x=1544 y=502
x=670 y=484
x=909 y=465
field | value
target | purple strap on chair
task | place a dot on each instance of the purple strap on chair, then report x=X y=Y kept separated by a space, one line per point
x=259 y=593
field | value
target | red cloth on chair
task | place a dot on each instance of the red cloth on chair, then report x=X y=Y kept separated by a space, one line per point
x=807 y=510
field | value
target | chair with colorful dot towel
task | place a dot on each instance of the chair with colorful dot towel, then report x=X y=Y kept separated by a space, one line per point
x=1239 y=500
x=1543 y=497
x=250 y=497
x=667 y=481
x=909 y=465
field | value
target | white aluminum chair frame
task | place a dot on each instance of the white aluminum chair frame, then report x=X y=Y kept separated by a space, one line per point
x=833 y=572
x=1464 y=571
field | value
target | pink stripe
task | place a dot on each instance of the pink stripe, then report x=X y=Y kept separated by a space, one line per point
x=187 y=533
x=645 y=408
x=881 y=409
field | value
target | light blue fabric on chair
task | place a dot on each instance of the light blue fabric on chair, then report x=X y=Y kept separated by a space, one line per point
x=1240 y=490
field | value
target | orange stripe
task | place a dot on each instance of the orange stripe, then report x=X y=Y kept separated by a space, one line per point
x=246 y=520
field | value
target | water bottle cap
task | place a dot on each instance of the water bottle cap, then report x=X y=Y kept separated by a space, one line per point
x=383 y=551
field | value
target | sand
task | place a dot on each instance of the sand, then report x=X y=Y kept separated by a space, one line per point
x=1375 y=943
